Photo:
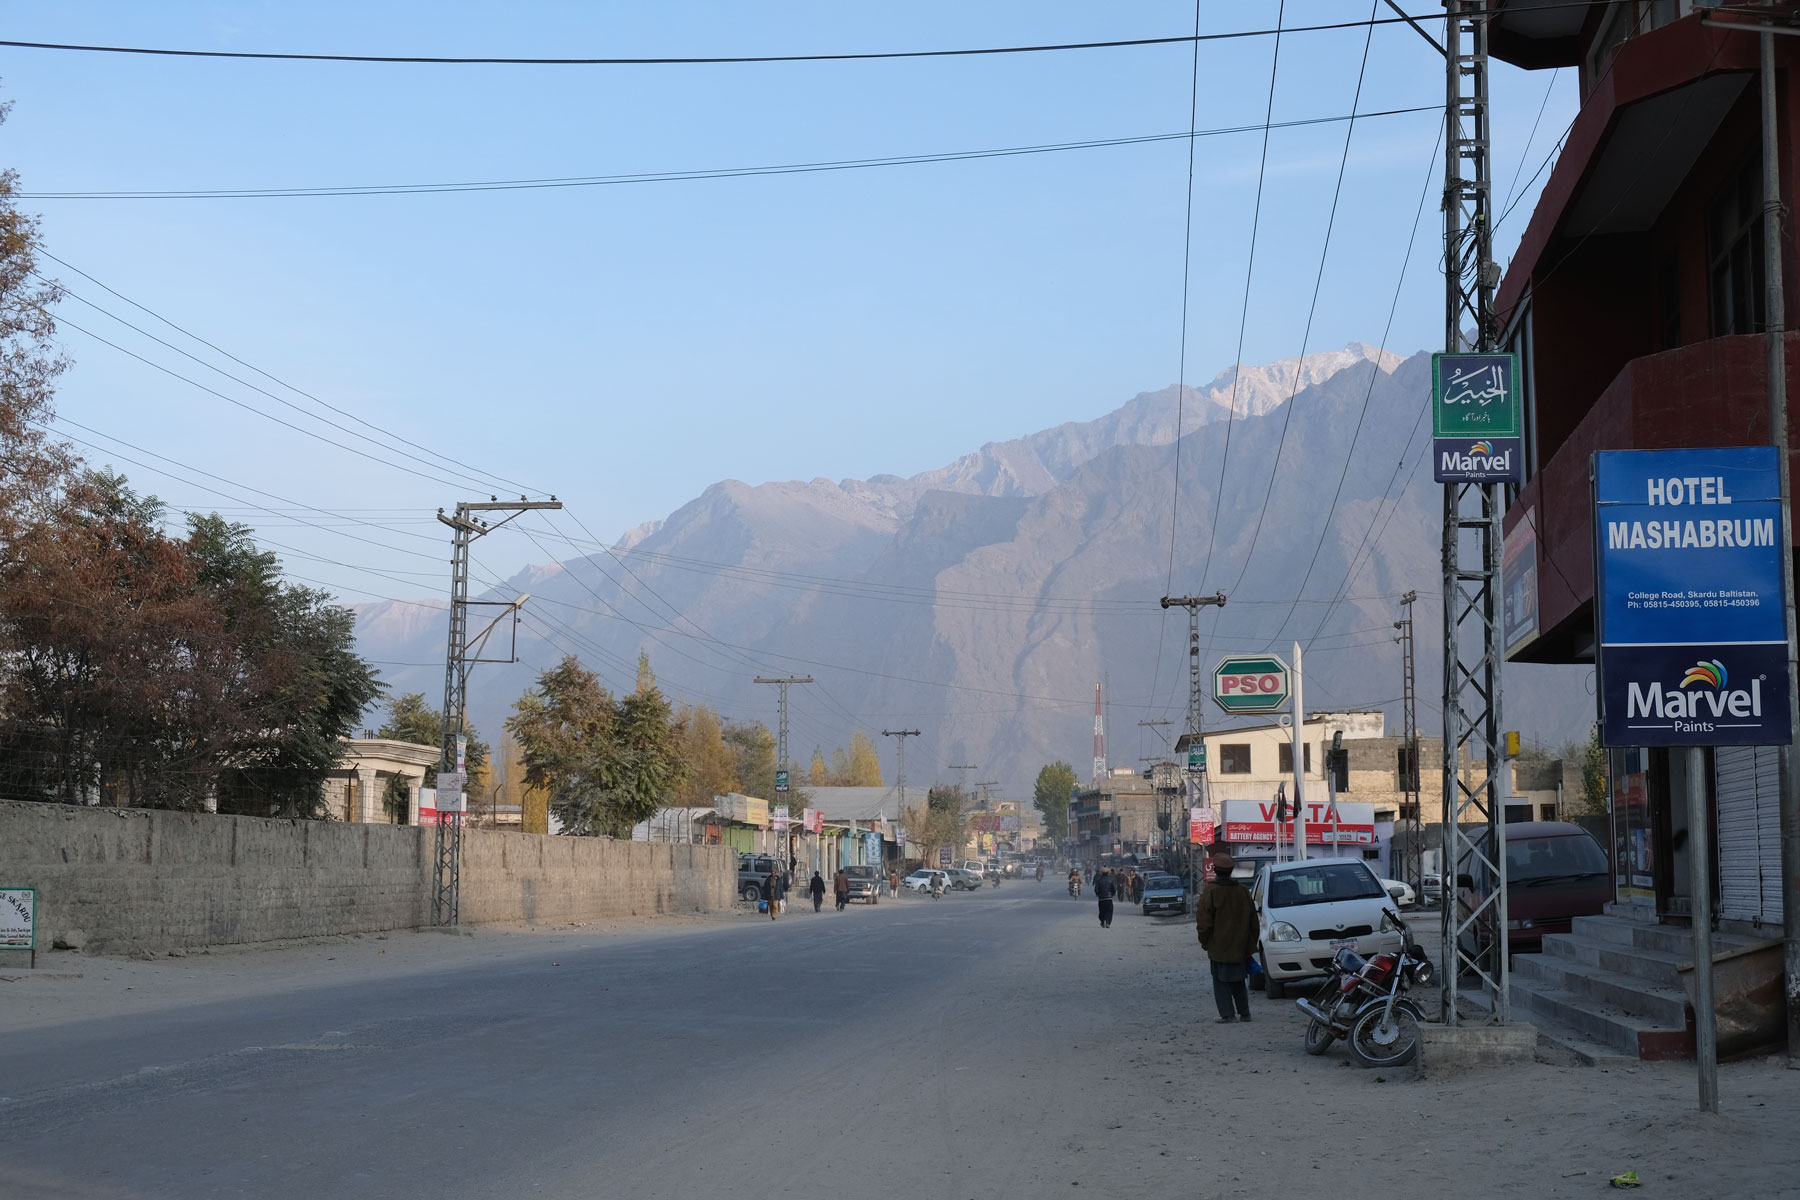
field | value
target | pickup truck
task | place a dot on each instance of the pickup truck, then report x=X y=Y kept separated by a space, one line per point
x=865 y=884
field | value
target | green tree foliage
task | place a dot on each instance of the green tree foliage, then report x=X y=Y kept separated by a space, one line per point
x=411 y=719
x=753 y=750
x=711 y=763
x=606 y=764
x=819 y=775
x=1593 y=774
x=1050 y=796
x=937 y=823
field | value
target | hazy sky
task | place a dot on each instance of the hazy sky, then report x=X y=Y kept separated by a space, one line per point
x=624 y=346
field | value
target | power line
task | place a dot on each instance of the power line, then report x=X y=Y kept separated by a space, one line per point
x=1374 y=375
x=1287 y=410
x=435 y=455
x=689 y=60
x=693 y=174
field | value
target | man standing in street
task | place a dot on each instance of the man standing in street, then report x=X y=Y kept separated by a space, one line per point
x=840 y=886
x=817 y=888
x=1104 y=891
x=775 y=890
x=1225 y=919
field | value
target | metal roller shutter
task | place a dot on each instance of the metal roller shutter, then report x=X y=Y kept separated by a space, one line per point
x=1768 y=831
x=1735 y=769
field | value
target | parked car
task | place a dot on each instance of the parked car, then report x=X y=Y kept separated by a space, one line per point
x=753 y=876
x=1401 y=891
x=962 y=879
x=1248 y=867
x=920 y=880
x=975 y=865
x=1555 y=872
x=865 y=883
x=1164 y=893
x=1306 y=910
x=1431 y=889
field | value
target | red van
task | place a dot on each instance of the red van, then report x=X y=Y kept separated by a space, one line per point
x=1555 y=872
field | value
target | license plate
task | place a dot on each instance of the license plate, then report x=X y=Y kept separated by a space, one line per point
x=1343 y=943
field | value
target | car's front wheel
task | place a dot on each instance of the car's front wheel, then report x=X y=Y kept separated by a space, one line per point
x=751 y=892
x=1276 y=989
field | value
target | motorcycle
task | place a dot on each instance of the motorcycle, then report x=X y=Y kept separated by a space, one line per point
x=1075 y=887
x=1364 y=1002
x=994 y=882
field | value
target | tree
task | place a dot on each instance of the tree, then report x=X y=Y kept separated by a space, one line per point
x=606 y=764
x=1593 y=774
x=711 y=763
x=938 y=823
x=865 y=763
x=753 y=748
x=818 y=775
x=411 y=719
x=1050 y=796
x=33 y=465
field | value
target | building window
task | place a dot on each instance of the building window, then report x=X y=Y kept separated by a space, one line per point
x=1284 y=757
x=1518 y=814
x=1615 y=27
x=1734 y=252
x=1546 y=812
x=1234 y=759
x=1668 y=288
x=1407 y=768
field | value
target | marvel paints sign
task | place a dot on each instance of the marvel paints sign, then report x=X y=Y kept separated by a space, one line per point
x=1475 y=421
x=1693 y=648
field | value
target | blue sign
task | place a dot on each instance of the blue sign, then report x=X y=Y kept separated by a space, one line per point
x=872 y=848
x=1690 y=597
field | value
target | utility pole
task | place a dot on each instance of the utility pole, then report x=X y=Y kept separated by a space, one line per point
x=1412 y=822
x=460 y=653
x=902 y=735
x=1198 y=794
x=783 y=770
x=1165 y=800
x=1471 y=546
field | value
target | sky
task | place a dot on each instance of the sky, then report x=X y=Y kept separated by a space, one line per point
x=624 y=346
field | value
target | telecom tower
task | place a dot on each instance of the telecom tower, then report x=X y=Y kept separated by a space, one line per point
x=1099 y=739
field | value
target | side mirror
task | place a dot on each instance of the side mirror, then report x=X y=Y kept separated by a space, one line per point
x=1466 y=881
x=1395 y=892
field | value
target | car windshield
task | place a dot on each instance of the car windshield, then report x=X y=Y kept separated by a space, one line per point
x=1562 y=857
x=860 y=872
x=1157 y=883
x=1322 y=884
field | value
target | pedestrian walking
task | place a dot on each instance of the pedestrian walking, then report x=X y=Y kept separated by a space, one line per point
x=775 y=892
x=1225 y=920
x=817 y=888
x=893 y=884
x=840 y=886
x=1105 y=888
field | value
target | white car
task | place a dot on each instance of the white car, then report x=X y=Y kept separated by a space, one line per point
x=1305 y=910
x=920 y=880
x=1401 y=891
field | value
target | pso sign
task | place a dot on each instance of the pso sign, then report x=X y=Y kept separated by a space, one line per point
x=1250 y=683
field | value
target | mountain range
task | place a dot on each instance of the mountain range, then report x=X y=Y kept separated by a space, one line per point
x=982 y=602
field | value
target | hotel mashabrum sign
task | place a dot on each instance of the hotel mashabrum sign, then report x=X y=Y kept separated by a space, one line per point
x=1693 y=650
x=1475 y=423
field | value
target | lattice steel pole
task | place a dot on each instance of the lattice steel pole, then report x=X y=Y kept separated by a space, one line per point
x=781 y=736
x=1198 y=794
x=446 y=892
x=1412 y=820
x=1474 y=933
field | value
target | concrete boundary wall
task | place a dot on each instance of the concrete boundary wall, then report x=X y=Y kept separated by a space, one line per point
x=123 y=879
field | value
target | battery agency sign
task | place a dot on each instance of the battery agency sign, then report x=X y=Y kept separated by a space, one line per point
x=1693 y=648
x=1475 y=421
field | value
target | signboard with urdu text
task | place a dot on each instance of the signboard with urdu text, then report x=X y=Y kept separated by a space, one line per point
x=1693 y=645
x=1201 y=826
x=778 y=818
x=1475 y=421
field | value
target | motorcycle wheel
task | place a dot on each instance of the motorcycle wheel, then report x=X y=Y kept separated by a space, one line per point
x=1319 y=1037
x=1375 y=1045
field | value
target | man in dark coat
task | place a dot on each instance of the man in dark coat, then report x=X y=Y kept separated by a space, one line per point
x=1225 y=919
x=1104 y=891
x=776 y=891
x=817 y=888
x=840 y=885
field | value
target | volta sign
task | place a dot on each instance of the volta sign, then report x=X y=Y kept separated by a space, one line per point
x=1251 y=683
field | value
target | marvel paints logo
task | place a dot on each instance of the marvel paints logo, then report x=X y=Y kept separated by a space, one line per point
x=1477 y=457
x=1711 y=699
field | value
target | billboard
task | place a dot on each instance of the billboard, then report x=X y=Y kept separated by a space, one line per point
x=1519 y=584
x=1475 y=423
x=1689 y=588
x=1254 y=821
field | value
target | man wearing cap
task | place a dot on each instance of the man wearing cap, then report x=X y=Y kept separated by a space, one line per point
x=1225 y=919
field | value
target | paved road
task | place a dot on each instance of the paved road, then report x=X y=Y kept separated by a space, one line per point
x=915 y=1042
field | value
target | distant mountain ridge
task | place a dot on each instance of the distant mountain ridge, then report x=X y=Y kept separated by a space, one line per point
x=981 y=601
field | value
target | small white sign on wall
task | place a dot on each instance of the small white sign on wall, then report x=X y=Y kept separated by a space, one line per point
x=18 y=918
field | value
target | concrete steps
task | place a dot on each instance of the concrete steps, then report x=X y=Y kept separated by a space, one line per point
x=1609 y=986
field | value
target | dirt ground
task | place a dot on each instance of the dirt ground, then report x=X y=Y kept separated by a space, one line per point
x=1092 y=1052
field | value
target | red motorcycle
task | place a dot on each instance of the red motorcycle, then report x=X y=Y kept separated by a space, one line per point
x=1364 y=1001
